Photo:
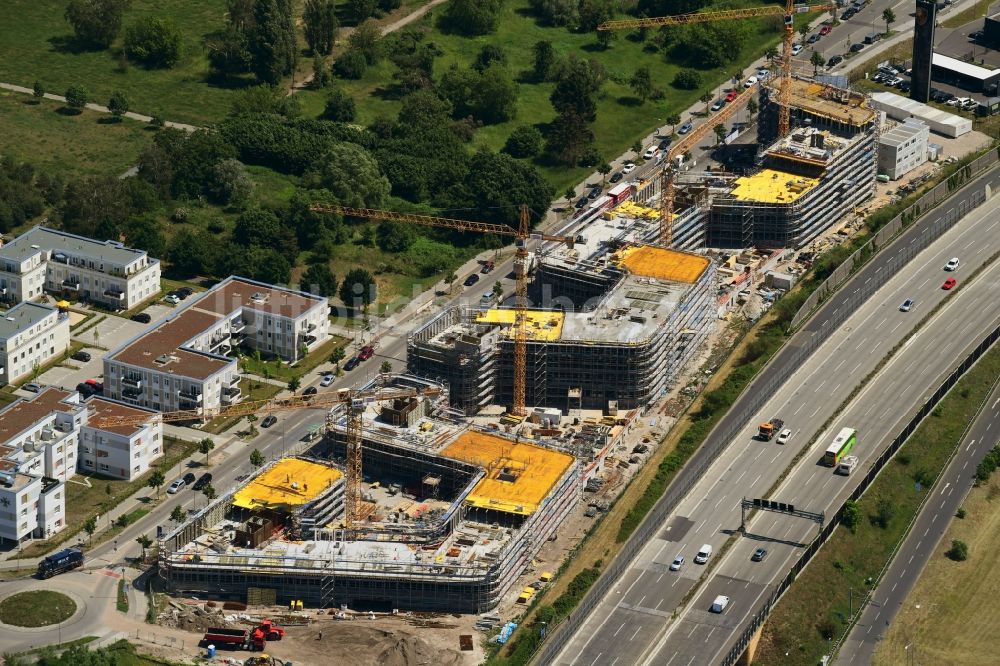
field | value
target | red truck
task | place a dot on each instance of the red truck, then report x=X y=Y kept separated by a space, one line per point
x=245 y=639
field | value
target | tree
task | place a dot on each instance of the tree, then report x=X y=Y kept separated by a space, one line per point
x=351 y=175
x=488 y=56
x=294 y=383
x=351 y=65
x=641 y=83
x=497 y=185
x=804 y=33
x=604 y=169
x=209 y=492
x=472 y=17
x=385 y=368
x=771 y=54
x=76 y=97
x=359 y=10
x=884 y=512
x=524 y=141
x=256 y=458
x=118 y=104
x=673 y=119
x=144 y=543
x=959 y=551
x=90 y=526
x=320 y=25
x=577 y=83
x=271 y=43
x=851 y=516
x=156 y=480
x=339 y=106
x=178 y=515
x=705 y=99
x=96 y=23
x=816 y=60
x=39 y=90
x=889 y=17
x=568 y=138
x=498 y=290
x=366 y=39
x=337 y=356
x=543 y=60
x=205 y=446
x=320 y=280
x=395 y=236
x=557 y=12
x=687 y=79
x=155 y=42
x=720 y=133
x=593 y=13
x=752 y=107
x=231 y=185
x=358 y=290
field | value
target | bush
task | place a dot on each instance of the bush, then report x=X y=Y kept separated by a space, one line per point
x=687 y=79
x=118 y=104
x=960 y=514
x=851 y=517
x=155 y=42
x=959 y=551
x=524 y=141
x=351 y=65
x=96 y=23
x=339 y=106
x=884 y=511
x=473 y=17
x=76 y=97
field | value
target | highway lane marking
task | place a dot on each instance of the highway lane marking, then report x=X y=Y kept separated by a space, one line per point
x=970 y=244
x=840 y=364
x=835 y=388
x=641 y=600
x=859 y=345
x=656 y=608
x=911 y=558
x=856 y=367
x=755 y=481
x=942 y=505
x=995 y=404
x=895 y=327
x=923 y=283
x=797 y=410
x=737 y=478
x=710 y=634
x=636 y=632
x=693 y=629
x=875 y=347
x=946 y=485
x=619 y=628
x=672 y=658
x=820 y=386
x=926 y=531
x=721 y=500
x=882 y=322
x=596 y=658
x=814 y=411
x=658 y=579
x=871 y=406
x=775 y=456
x=615 y=661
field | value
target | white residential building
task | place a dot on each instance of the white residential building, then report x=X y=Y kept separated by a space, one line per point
x=30 y=506
x=31 y=335
x=124 y=452
x=903 y=148
x=184 y=363
x=64 y=264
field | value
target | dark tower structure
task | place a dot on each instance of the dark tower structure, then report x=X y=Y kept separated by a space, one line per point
x=923 y=49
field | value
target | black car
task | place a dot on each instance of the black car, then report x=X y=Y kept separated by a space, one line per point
x=312 y=390
x=85 y=390
x=188 y=478
x=594 y=192
x=666 y=143
x=81 y=356
x=615 y=178
x=857 y=47
x=471 y=280
x=202 y=481
x=269 y=421
x=184 y=292
x=353 y=363
x=835 y=60
x=581 y=202
x=142 y=318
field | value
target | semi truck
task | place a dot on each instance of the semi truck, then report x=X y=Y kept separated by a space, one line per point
x=769 y=429
x=246 y=639
x=64 y=560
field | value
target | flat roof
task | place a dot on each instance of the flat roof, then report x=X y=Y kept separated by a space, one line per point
x=903 y=132
x=663 y=264
x=109 y=408
x=291 y=482
x=518 y=476
x=21 y=317
x=827 y=101
x=60 y=241
x=921 y=111
x=771 y=186
x=541 y=324
x=963 y=68
x=236 y=292
x=160 y=349
x=21 y=415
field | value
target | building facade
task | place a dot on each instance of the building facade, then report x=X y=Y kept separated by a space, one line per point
x=122 y=452
x=31 y=335
x=903 y=148
x=66 y=265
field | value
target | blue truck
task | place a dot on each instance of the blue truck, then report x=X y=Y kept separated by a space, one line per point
x=64 y=560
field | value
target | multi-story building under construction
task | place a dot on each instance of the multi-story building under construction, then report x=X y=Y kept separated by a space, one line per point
x=809 y=179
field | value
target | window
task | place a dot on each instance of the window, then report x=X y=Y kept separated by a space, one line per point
x=88 y=463
x=104 y=467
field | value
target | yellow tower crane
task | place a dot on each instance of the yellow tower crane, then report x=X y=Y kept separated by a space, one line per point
x=521 y=234
x=354 y=400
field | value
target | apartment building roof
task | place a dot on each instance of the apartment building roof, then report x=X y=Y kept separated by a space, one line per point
x=109 y=408
x=159 y=349
x=39 y=238
x=22 y=317
x=22 y=414
x=236 y=292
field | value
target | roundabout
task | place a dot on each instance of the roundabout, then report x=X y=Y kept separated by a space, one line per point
x=33 y=609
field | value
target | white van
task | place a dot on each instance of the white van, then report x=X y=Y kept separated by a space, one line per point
x=703 y=554
x=720 y=604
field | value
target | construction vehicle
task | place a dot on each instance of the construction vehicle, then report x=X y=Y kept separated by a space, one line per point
x=769 y=429
x=521 y=235
x=847 y=465
x=57 y=563
x=236 y=639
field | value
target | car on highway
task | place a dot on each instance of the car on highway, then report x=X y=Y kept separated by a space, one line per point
x=750 y=82
x=759 y=554
x=857 y=47
x=327 y=380
x=650 y=152
x=949 y=284
x=796 y=49
x=685 y=128
x=141 y=317
x=784 y=436
x=368 y=351
x=81 y=356
x=824 y=30
x=907 y=305
x=269 y=421
x=581 y=202
x=352 y=363
x=176 y=485
x=703 y=554
x=615 y=178
x=719 y=103
x=628 y=167
x=202 y=481
x=310 y=390
x=677 y=563
x=469 y=281
x=834 y=61
x=952 y=264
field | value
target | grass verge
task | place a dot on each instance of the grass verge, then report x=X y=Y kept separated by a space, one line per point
x=279 y=370
x=122 y=602
x=817 y=608
x=253 y=389
x=36 y=608
x=975 y=11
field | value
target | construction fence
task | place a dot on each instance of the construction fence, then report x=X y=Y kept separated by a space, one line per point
x=771 y=377
x=886 y=234
x=876 y=466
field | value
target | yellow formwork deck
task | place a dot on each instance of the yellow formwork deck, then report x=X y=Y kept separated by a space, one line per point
x=635 y=210
x=518 y=476
x=663 y=264
x=770 y=186
x=291 y=482
x=542 y=325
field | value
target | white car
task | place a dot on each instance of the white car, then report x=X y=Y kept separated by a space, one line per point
x=796 y=49
x=629 y=167
x=749 y=83
x=650 y=152
x=677 y=563
x=784 y=436
x=175 y=486
x=326 y=381
x=952 y=264
x=763 y=73
x=907 y=305
x=170 y=298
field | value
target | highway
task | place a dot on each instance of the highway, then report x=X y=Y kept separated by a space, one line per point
x=937 y=513
x=632 y=624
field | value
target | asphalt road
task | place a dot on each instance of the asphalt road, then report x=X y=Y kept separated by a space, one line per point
x=946 y=497
x=628 y=625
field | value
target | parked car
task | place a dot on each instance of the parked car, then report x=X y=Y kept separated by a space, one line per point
x=175 y=486
x=629 y=167
x=665 y=143
x=677 y=563
x=326 y=381
x=824 y=30
x=719 y=103
x=172 y=299
x=352 y=363
x=615 y=177
x=813 y=38
x=796 y=49
x=731 y=95
x=949 y=284
x=142 y=318
x=595 y=192
x=750 y=82
x=834 y=61
x=81 y=356
x=857 y=47
x=310 y=390
x=759 y=554
x=952 y=264
x=650 y=153
x=269 y=421
x=685 y=128
x=469 y=281
x=368 y=351
x=581 y=202
x=188 y=478
x=184 y=292
x=33 y=387
x=907 y=305
x=202 y=481
x=763 y=73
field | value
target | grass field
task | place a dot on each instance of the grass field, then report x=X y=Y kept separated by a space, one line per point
x=817 y=606
x=38 y=608
x=621 y=119
x=69 y=145
x=951 y=616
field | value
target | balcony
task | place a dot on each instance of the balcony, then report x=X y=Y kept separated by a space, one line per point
x=115 y=293
x=310 y=328
x=134 y=382
x=309 y=339
x=235 y=380
x=129 y=393
x=216 y=342
x=71 y=283
x=191 y=395
x=231 y=396
x=236 y=326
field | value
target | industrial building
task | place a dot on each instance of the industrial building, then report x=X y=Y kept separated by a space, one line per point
x=903 y=148
x=807 y=180
x=938 y=120
x=453 y=515
x=618 y=320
